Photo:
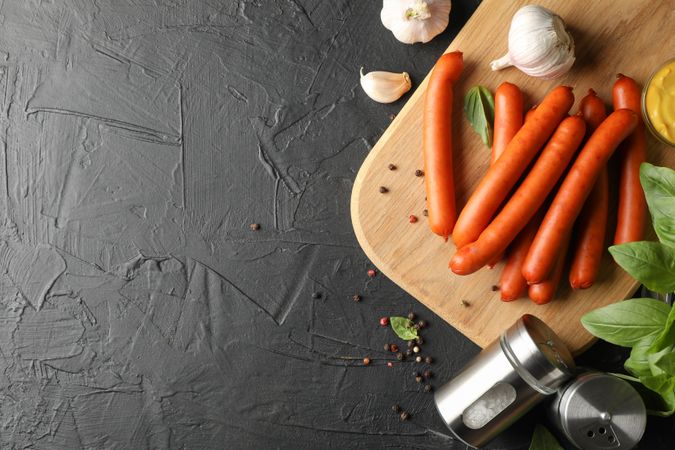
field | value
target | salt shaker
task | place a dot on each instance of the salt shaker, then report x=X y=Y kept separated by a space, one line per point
x=527 y=364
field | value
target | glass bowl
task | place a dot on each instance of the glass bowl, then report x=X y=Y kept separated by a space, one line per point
x=645 y=115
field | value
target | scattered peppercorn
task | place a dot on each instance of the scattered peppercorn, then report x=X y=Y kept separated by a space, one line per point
x=416 y=373
x=390 y=364
x=425 y=213
x=386 y=347
x=393 y=348
x=412 y=218
x=405 y=415
x=356 y=298
x=428 y=360
x=391 y=167
x=371 y=273
x=418 y=378
x=422 y=323
x=316 y=295
x=254 y=226
x=392 y=116
x=419 y=340
x=416 y=349
x=366 y=361
x=411 y=344
x=465 y=303
x=428 y=388
x=428 y=374
x=419 y=173
x=399 y=356
x=396 y=408
x=409 y=352
x=383 y=190
x=495 y=288
x=384 y=321
x=411 y=316
x=416 y=326
x=418 y=359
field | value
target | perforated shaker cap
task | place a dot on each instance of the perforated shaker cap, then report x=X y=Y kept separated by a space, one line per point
x=601 y=411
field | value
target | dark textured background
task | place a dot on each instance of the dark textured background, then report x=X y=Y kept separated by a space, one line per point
x=139 y=140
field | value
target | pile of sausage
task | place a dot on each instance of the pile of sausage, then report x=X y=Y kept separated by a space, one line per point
x=546 y=191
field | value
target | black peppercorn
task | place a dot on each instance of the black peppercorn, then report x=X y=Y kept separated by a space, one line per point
x=356 y=298
x=418 y=379
x=495 y=288
x=427 y=388
x=316 y=295
x=419 y=340
x=405 y=415
x=411 y=316
x=428 y=360
x=391 y=167
x=428 y=374
x=254 y=226
x=425 y=213
x=422 y=324
x=399 y=356
x=396 y=408
x=409 y=352
x=383 y=190
x=419 y=173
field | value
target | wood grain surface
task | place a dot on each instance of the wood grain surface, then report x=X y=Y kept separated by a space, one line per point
x=631 y=37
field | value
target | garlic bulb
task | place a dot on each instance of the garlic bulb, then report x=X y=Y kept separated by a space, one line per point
x=385 y=87
x=539 y=44
x=414 y=21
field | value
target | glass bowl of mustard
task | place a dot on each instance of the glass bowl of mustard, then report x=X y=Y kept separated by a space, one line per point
x=658 y=103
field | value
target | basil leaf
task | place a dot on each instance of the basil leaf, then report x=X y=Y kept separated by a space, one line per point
x=662 y=362
x=651 y=263
x=667 y=336
x=542 y=439
x=659 y=186
x=403 y=327
x=627 y=323
x=479 y=107
x=664 y=385
x=638 y=362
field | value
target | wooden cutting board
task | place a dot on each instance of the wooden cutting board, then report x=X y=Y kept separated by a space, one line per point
x=631 y=37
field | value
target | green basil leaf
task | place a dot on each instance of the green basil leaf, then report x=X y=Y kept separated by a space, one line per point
x=662 y=362
x=638 y=362
x=479 y=107
x=403 y=327
x=651 y=263
x=542 y=439
x=666 y=338
x=664 y=385
x=659 y=186
x=627 y=323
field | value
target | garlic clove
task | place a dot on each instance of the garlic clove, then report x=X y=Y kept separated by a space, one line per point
x=414 y=21
x=539 y=44
x=385 y=87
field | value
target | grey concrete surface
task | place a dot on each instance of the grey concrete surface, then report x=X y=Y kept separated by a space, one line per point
x=139 y=139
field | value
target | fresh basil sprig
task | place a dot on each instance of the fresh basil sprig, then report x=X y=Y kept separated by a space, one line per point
x=647 y=325
x=403 y=327
x=479 y=107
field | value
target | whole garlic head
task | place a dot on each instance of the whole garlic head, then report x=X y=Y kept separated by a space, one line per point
x=539 y=44
x=414 y=21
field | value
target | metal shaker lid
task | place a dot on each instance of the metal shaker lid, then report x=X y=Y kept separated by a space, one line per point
x=538 y=355
x=601 y=411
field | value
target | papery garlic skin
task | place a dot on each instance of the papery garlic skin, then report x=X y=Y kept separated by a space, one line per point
x=414 y=21
x=539 y=44
x=385 y=87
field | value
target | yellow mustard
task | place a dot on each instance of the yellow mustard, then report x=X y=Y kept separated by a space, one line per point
x=660 y=102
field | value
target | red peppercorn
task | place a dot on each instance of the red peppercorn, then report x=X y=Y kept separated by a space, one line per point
x=366 y=361
x=412 y=218
x=384 y=321
x=371 y=273
x=393 y=348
